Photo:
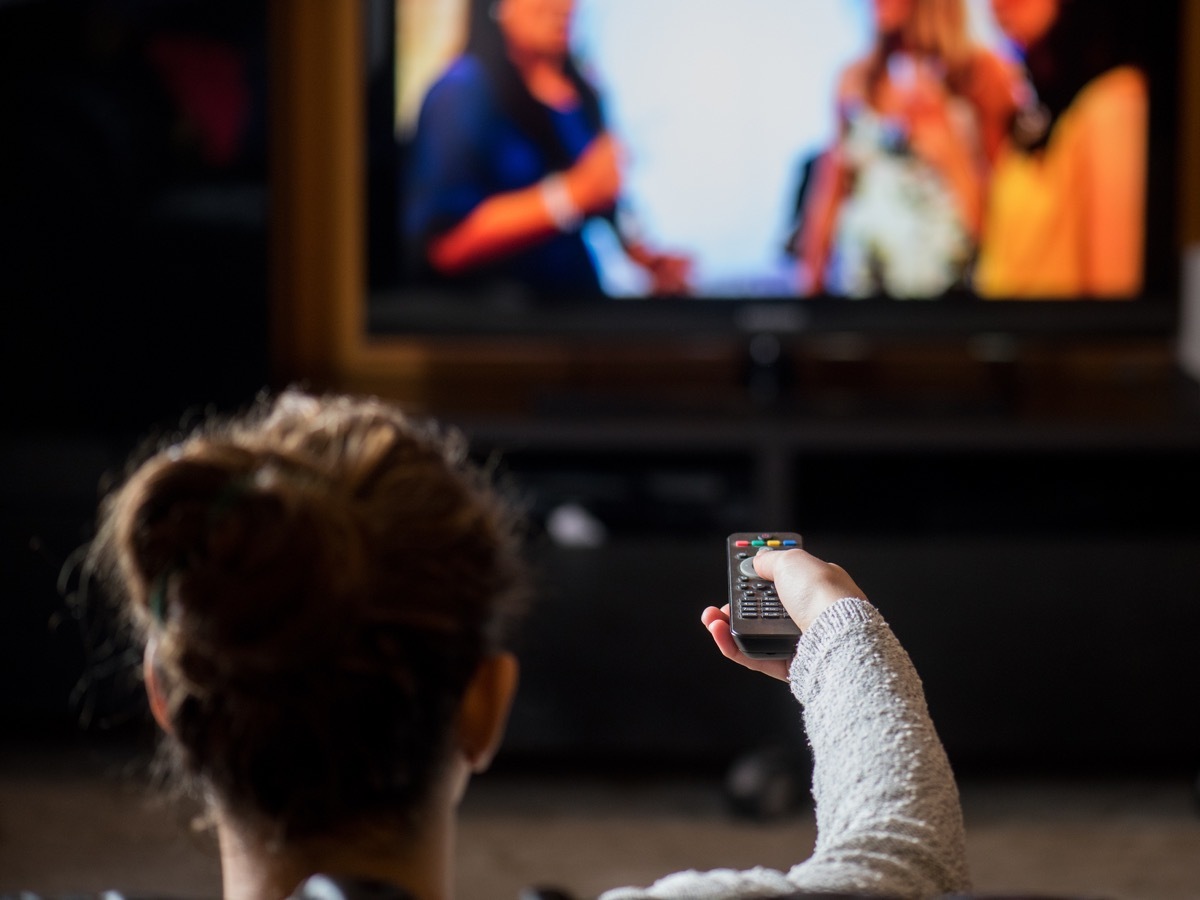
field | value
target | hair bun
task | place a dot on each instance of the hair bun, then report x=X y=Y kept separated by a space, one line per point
x=247 y=554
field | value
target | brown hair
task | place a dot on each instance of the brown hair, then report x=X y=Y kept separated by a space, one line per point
x=322 y=577
x=937 y=29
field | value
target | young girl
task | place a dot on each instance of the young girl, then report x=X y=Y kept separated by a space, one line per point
x=323 y=588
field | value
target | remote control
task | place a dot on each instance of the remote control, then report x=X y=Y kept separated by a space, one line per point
x=758 y=622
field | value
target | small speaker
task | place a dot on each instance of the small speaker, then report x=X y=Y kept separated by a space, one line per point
x=1189 y=313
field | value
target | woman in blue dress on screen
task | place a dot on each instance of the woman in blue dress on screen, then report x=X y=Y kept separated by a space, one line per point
x=898 y=198
x=511 y=157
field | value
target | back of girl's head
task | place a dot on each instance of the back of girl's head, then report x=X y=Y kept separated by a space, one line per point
x=320 y=578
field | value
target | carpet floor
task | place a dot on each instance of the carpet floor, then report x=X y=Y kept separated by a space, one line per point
x=71 y=822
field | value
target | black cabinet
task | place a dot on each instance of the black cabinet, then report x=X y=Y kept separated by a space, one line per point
x=1044 y=575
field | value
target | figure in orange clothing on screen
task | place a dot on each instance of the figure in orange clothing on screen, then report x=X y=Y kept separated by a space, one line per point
x=897 y=201
x=511 y=156
x=1067 y=207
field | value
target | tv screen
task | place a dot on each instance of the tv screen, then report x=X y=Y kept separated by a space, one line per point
x=837 y=159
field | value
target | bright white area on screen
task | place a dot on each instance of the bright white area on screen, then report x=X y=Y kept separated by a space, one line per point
x=717 y=105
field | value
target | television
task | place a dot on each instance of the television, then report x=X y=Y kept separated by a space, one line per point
x=726 y=115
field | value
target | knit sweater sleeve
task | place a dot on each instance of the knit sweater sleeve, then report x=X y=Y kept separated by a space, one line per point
x=889 y=820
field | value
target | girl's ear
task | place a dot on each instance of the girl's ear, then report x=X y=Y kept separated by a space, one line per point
x=154 y=690
x=485 y=707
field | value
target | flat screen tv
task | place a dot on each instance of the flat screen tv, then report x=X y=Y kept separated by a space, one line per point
x=789 y=166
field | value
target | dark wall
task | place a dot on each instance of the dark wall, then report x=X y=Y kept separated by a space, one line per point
x=132 y=207
x=133 y=278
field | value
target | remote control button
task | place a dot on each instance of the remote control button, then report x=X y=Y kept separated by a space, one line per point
x=746 y=567
x=741 y=543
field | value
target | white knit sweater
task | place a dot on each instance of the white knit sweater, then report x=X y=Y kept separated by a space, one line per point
x=888 y=816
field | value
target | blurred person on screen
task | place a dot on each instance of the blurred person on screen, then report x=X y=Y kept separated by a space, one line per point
x=897 y=200
x=511 y=156
x=1067 y=206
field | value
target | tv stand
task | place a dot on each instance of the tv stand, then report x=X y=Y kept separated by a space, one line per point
x=836 y=377
x=1036 y=555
